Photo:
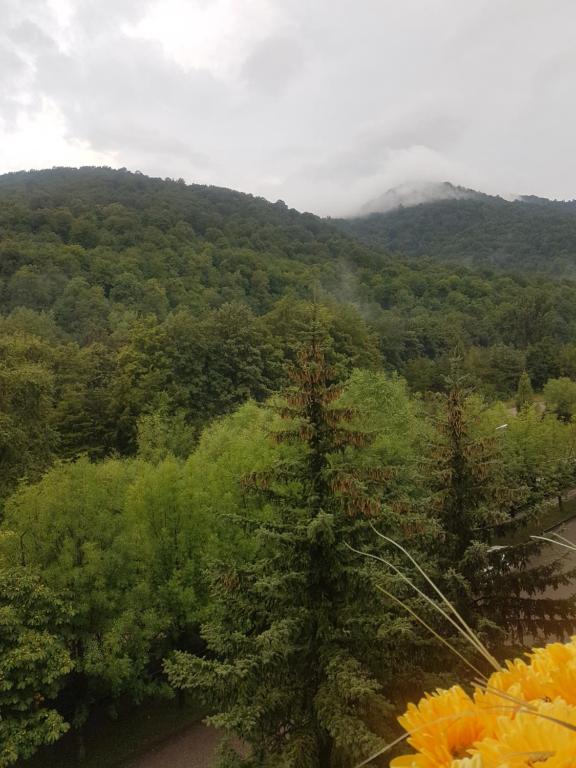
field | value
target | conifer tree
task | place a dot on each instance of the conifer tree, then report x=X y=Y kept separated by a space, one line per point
x=524 y=393
x=303 y=641
x=504 y=590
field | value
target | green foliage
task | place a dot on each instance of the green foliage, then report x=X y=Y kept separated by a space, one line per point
x=560 y=396
x=27 y=439
x=153 y=294
x=115 y=536
x=530 y=234
x=384 y=409
x=347 y=339
x=71 y=528
x=34 y=662
x=478 y=495
x=148 y=318
x=172 y=539
x=228 y=450
x=86 y=411
x=543 y=361
x=471 y=495
x=160 y=434
x=524 y=393
x=296 y=672
x=119 y=541
x=539 y=451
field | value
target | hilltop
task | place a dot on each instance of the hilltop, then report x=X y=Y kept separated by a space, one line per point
x=528 y=234
x=416 y=193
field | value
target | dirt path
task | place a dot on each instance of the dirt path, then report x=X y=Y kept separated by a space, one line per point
x=194 y=748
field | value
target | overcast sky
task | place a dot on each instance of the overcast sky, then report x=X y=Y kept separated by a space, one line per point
x=323 y=103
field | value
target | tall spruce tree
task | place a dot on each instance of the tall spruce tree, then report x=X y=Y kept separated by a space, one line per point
x=303 y=641
x=505 y=590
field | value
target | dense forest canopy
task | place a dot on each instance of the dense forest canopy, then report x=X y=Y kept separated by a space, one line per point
x=205 y=400
x=121 y=577
x=529 y=234
x=123 y=295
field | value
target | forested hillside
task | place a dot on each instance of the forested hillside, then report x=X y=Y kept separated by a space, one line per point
x=530 y=234
x=123 y=295
x=210 y=406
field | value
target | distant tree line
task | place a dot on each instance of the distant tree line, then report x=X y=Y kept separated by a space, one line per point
x=527 y=235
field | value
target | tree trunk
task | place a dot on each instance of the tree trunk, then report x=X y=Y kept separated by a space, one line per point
x=81 y=745
x=324 y=743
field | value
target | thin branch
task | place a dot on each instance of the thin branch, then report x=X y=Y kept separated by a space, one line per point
x=433 y=632
x=472 y=635
x=429 y=600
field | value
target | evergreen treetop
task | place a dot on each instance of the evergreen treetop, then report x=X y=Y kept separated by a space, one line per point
x=507 y=589
x=298 y=672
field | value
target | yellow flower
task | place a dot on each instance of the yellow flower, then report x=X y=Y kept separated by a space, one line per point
x=450 y=729
x=521 y=680
x=550 y=673
x=412 y=761
x=557 y=664
x=532 y=740
x=469 y=762
x=418 y=761
x=443 y=727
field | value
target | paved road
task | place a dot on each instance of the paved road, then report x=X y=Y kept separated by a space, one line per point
x=552 y=552
x=193 y=748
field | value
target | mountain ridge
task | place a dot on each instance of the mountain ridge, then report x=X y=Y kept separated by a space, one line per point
x=527 y=234
x=414 y=193
x=117 y=270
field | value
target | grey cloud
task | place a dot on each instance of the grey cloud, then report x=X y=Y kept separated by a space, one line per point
x=370 y=152
x=104 y=16
x=15 y=11
x=438 y=132
x=340 y=100
x=22 y=39
x=126 y=95
x=273 y=64
x=30 y=37
x=12 y=65
x=15 y=71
